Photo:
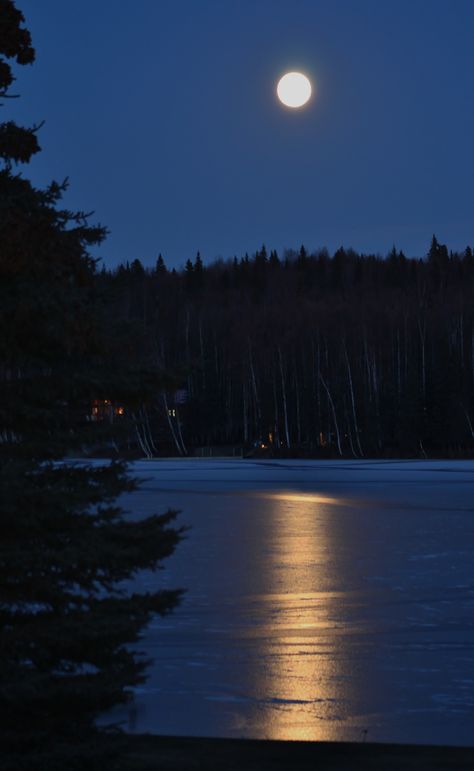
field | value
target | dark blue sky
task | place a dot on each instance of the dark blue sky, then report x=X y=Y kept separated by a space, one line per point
x=164 y=117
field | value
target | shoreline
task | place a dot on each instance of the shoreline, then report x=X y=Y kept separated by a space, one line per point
x=147 y=752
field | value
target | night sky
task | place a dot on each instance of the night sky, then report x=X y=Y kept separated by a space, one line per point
x=163 y=115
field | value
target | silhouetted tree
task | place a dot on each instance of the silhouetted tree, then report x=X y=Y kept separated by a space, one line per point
x=66 y=623
x=160 y=266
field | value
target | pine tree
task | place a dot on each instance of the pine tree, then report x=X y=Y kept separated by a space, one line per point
x=438 y=260
x=198 y=271
x=160 y=265
x=137 y=268
x=198 y=266
x=65 y=546
x=274 y=259
x=302 y=260
x=261 y=258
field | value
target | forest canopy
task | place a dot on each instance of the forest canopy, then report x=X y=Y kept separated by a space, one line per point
x=307 y=353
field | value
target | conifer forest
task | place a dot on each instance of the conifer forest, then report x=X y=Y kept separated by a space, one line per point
x=304 y=353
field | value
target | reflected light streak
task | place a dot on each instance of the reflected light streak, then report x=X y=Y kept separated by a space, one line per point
x=292 y=497
x=299 y=682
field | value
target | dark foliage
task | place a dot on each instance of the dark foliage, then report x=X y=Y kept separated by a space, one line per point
x=350 y=354
x=67 y=624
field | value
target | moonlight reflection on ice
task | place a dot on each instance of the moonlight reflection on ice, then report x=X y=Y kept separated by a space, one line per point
x=323 y=599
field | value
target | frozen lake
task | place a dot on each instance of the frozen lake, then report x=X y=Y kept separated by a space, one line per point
x=324 y=599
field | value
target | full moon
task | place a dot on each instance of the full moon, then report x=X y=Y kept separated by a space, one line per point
x=294 y=89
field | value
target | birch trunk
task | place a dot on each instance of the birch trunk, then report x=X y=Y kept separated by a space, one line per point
x=253 y=380
x=285 y=408
x=298 y=414
x=171 y=426
x=333 y=409
x=422 y=334
x=354 y=413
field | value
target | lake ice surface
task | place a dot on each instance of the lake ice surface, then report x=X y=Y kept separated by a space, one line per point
x=323 y=599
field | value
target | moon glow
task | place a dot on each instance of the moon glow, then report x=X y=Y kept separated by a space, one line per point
x=294 y=89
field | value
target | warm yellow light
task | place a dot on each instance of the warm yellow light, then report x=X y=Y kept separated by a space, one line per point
x=301 y=637
x=294 y=89
x=301 y=498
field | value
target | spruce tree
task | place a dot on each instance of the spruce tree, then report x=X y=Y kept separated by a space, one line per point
x=160 y=266
x=66 y=549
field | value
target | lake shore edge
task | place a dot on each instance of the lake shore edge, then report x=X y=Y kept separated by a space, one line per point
x=145 y=752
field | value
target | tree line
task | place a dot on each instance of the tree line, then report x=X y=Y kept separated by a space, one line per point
x=307 y=353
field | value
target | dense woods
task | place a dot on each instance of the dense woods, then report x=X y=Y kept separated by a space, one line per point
x=303 y=353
